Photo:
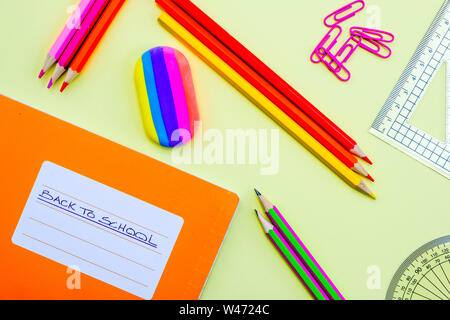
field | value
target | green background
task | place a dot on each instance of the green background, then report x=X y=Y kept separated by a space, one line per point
x=346 y=231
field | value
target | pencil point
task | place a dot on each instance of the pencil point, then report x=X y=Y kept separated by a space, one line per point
x=59 y=70
x=257 y=192
x=41 y=73
x=372 y=195
x=367 y=160
x=363 y=188
x=267 y=226
x=64 y=85
x=358 y=168
x=357 y=151
x=50 y=83
x=370 y=178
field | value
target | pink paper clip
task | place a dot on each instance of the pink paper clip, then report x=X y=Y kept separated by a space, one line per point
x=334 y=65
x=343 y=74
x=331 y=61
x=376 y=47
x=372 y=40
x=323 y=47
x=352 y=43
x=322 y=54
x=348 y=11
x=373 y=34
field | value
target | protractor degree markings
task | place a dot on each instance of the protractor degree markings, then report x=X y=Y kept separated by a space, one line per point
x=404 y=275
x=423 y=276
x=443 y=271
x=428 y=291
x=439 y=279
x=420 y=295
x=440 y=273
x=445 y=296
x=409 y=283
x=444 y=253
x=413 y=276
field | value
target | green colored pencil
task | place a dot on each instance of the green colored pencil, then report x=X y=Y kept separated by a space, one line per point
x=296 y=265
x=299 y=249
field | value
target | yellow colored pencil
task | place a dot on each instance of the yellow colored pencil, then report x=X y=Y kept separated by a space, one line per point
x=265 y=104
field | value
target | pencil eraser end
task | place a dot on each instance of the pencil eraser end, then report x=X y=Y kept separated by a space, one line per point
x=166 y=96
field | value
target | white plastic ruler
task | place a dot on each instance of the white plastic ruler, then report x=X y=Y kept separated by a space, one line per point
x=392 y=123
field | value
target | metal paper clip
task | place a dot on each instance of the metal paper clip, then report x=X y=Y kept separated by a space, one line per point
x=347 y=11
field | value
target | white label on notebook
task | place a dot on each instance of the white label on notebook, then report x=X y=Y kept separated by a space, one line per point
x=108 y=234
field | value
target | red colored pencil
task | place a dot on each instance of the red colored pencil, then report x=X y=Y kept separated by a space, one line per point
x=263 y=86
x=91 y=42
x=249 y=58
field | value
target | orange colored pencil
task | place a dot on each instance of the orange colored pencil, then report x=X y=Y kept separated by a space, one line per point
x=264 y=87
x=261 y=68
x=92 y=41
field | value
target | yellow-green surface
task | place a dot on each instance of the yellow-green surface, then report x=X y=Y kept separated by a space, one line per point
x=346 y=231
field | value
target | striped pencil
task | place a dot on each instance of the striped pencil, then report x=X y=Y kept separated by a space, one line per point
x=295 y=264
x=299 y=248
x=92 y=41
x=266 y=88
x=66 y=34
x=260 y=67
x=77 y=40
x=265 y=105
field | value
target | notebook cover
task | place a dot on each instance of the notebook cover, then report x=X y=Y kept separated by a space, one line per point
x=28 y=137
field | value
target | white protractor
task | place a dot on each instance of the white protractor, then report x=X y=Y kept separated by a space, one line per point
x=424 y=275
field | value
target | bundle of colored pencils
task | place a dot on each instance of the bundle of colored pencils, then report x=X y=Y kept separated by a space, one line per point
x=296 y=254
x=79 y=38
x=267 y=90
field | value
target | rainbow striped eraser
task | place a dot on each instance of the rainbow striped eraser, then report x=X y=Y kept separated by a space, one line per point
x=166 y=96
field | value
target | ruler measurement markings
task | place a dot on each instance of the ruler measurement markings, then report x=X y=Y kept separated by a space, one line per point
x=392 y=121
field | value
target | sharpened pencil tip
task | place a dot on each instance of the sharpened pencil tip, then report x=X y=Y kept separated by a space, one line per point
x=367 y=160
x=257 y=192
x=256 y=211
x=363 y=188
x=64 y=85
x=41 y=74
x=370 y=178
x=372 y=195
x=50 y=84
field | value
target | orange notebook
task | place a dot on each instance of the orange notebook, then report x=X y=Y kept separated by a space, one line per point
x=134 y=224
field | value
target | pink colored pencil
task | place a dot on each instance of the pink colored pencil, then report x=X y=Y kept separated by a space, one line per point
x=70 y=28
x=77 y=40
